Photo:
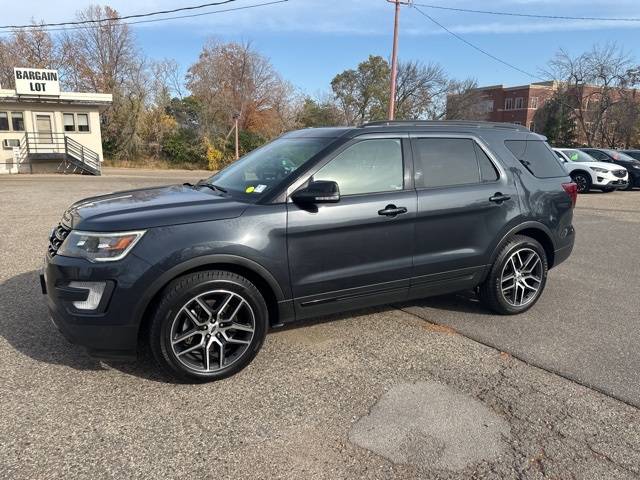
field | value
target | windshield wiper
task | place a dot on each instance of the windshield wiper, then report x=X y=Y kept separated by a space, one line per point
x=204 y=183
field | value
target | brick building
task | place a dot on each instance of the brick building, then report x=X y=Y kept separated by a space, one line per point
x=517 y=104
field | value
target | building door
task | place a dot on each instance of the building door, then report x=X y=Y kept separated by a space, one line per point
x=44 y=131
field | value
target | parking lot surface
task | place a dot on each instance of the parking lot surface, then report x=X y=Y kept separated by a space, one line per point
x=433 y=389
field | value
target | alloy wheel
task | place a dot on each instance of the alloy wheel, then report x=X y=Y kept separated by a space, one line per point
x=521 y=277
x=212 y=331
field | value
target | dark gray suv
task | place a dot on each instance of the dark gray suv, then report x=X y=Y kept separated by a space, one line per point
x=358 y=216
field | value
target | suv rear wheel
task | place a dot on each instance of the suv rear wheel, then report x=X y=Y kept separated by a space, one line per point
x=209 y=326
x=517 y=278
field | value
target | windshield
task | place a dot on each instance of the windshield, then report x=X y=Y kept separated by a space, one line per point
x=620 y=156
x=578 y=155
x=260 y=171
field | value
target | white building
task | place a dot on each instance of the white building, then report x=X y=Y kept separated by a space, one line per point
x=44 y=130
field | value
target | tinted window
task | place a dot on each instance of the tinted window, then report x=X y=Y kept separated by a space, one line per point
x=453 y=161
x=536 y=156
x=488 y=172
x=369 y=166
x=599 y=156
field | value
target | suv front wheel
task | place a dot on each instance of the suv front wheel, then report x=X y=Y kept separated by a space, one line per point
x=208 y=326
x=517 y=278
x=583 y=181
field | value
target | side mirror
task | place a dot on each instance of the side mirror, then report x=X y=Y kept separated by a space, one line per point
x=322 y=191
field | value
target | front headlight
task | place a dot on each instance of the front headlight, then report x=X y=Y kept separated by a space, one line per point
x=599 y=170
x=99 y=247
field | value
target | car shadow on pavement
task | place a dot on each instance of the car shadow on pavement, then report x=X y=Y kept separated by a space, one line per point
x=464 y=301
x=26 y=325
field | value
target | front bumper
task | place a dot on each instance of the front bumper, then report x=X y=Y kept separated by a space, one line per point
x=603 y=182
x=110 y=331
x=102 y=342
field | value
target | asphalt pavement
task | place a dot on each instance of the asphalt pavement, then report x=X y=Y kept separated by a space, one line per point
x=434 y=389
x=585 y=326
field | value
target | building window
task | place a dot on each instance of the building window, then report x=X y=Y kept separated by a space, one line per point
x=489 y=105
x=532 y=127
x=508 y=104
x=534 y=102
x=76 y=122
x=519 y=102
x=16 y=124
x=83 y=122
x=69 y=122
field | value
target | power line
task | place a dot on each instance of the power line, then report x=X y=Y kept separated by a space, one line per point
x=477 y=48
x=553 y=17
x=79 y=24
x=141 y=15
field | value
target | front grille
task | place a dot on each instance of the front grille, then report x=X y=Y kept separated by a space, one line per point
x=58 y=235
x=619 y=173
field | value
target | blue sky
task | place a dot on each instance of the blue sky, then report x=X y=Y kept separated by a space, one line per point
x=311 y=41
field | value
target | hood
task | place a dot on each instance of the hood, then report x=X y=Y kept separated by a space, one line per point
x=604 y=165
x=151 y=207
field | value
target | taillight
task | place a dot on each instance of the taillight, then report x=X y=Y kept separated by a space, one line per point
x=571 y=189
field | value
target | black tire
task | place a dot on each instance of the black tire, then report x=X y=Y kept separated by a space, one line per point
x=608 y=190
x=583 y=180
x=630 y=184
x=517 y=277
x=208 y=326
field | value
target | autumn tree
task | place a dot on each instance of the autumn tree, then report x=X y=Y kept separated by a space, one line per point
x=233 y=78
x=30 y=47
x=590 y=86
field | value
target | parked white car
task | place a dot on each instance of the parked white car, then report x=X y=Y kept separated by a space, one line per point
x=588 y=173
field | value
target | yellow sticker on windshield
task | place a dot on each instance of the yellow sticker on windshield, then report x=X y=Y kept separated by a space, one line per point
x=250 y=189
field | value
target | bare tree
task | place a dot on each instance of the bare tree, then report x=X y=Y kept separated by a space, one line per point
x=418 y=89
x=464 y=101
x=101 y=56
x=591 y=85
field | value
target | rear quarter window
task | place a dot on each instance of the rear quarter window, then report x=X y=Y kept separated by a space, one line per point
x=536 y=157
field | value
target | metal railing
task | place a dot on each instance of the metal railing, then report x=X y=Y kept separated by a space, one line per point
x=49 y=146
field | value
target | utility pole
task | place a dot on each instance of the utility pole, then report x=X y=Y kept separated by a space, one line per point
x=394 y=57
x=236 y=116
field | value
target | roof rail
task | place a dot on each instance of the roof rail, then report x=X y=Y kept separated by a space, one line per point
x=445 y=123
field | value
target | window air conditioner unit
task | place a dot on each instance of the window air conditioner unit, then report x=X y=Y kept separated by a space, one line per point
x=10 y=143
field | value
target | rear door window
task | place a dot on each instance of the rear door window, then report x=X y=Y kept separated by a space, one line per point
x=443 y=162
x=536 y=157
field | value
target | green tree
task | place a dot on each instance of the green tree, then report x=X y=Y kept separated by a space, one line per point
x=362 y=95
x=316 y=114
x=557 y=122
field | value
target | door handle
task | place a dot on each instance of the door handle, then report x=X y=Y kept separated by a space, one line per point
x=499 y=198
x=392 y=211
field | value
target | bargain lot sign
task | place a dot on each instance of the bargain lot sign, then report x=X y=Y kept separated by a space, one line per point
x=36 y=81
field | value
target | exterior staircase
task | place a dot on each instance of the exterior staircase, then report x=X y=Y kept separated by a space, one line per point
x=73 y=157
